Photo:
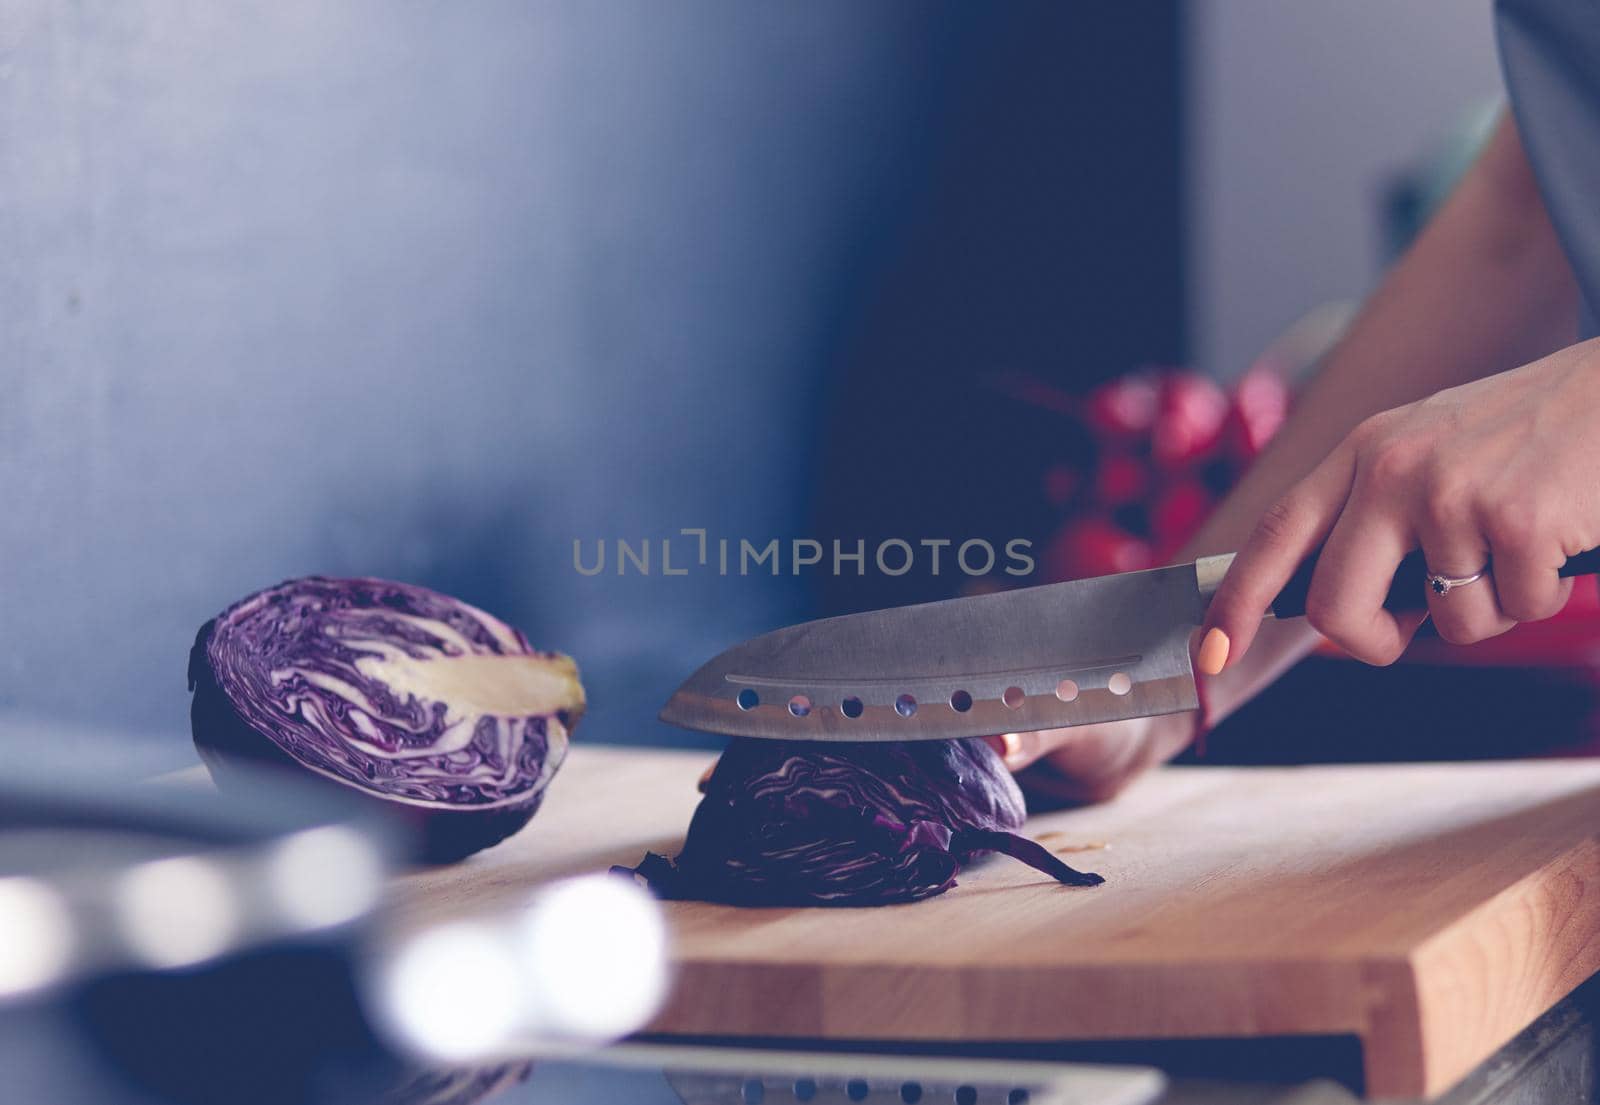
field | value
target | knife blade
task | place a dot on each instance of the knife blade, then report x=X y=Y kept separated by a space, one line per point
x=1046 y=657
x=1034 y=658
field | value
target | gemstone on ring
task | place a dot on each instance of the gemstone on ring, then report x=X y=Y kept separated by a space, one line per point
x=1443 y=584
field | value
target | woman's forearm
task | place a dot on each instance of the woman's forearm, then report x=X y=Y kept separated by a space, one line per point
x=1485 y=288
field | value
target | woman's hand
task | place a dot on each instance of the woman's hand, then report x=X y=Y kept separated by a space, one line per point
x=1091 y=763
x=1506 y=468
x=1486 y=285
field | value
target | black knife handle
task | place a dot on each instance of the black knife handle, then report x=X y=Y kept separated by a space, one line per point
x=1409 y=589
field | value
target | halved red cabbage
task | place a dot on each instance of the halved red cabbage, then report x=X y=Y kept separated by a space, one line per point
x=417 y=700
x=801 y=823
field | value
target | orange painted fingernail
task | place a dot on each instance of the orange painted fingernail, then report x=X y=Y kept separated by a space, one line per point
x=1213 y=651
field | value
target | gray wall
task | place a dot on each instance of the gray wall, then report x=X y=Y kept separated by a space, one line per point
x=409 y=289
x=430 y=290
x=1299 y=113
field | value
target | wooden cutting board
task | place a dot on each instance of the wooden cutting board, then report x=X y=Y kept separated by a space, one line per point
x=1432 y=910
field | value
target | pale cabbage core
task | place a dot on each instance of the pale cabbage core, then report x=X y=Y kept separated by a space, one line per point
x=509 y=686
x=399 y=690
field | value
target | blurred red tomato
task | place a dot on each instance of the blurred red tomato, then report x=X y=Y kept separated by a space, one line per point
x=1120 y=479
x=1094 y=546
x=1061 y=482
x=1260 y=403
x=1123 y=409
x=1178 y=512
x=1189 y=419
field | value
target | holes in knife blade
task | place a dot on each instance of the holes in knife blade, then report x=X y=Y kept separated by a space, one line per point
x=1013 y=697
x=753 y=1092
x=1066 y=690
x=960 y=701
x=910 y=1093
x=905 y=705
x=799 y=705
x=1119 y=683
x=748 y=699
x=804 y=1089
x=966 y=1095
x=857 y=1089
x=852 y=707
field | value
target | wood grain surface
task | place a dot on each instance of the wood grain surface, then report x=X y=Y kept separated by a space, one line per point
x=1432 y=910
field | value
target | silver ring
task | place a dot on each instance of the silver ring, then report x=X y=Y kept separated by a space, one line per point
x=1443 y=585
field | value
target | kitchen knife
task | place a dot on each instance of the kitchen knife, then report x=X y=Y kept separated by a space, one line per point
x=1043 y=657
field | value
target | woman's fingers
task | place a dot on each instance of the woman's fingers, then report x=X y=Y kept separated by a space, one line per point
x=1453 y=545
x=1097 y=761
x=1093 y=752
x=1100 y=760
x=1352 y=579
x=1524 y=574
x=1288 y=533
x=1018 y=750
x=1098 y=747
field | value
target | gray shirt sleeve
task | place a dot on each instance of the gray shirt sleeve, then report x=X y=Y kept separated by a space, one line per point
x=1550 y=53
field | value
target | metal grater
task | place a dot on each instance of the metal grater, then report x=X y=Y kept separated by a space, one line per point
x=778 y=1078
x=719 y=1089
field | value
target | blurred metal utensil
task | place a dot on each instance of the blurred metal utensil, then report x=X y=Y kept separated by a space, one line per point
x=169 y=941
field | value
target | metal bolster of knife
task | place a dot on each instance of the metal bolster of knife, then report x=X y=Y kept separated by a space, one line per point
x=1208 y=573
x=1209 y=570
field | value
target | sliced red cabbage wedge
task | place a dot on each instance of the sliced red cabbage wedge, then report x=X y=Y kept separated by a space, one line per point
x=410 y=698
x=786 y=823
